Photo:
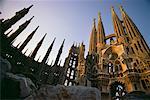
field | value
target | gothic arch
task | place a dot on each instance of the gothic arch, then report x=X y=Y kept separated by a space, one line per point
x=117 y=90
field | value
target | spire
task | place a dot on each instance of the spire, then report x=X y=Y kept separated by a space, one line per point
x=48 y=51
x=132 y=30
x=93 y=39
x=59 y=53
x=9 y=22
x=118 y=28
x=140 y=45
x=81 y=52
x=27 y=40
x=19 y=30
x=37 y=47
x=100 y=32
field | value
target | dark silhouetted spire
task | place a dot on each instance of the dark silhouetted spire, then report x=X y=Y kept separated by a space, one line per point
x=48 y=52
x=37 y=48
x=100 y=32
x=59 y=53
x=9 y=22
x=19 y=30
x=27 y=40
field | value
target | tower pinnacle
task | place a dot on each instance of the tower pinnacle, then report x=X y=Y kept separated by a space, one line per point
x=48 y=52
x=118 y=27
x=139 y=45
x=37 y=47
x=27 y=40
x=93 y=39
x=100 y=33
x=19 y=30
x=59 y=53
x=9 y=22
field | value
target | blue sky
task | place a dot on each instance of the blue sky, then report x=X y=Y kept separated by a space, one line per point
x=72 y=20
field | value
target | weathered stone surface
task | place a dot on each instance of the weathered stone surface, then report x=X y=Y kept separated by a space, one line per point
x=5 y=66
x=14 y=86
x=26 y=85
x=60 y=92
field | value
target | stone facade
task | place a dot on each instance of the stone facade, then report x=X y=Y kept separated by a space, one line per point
x=118 y=64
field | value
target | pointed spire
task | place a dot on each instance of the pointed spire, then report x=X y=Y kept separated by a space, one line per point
x=81 y=52
x=19 y=30
x=100 y=32
x=9 y=22
x=37 y=47
x=48 y=51
x=94 y=23
x=93 y=39
x=29 y=7
x=118 y=27
x=132 y=30
x=134 y=33
x=59 y=53
x=27 y=40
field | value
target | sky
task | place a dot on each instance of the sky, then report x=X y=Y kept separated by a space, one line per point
x=71 y=20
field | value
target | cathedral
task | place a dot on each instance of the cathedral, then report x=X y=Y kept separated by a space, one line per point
x=118 y=64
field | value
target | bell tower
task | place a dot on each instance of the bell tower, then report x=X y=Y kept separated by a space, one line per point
x=138 y=45
x=93 y=39
x=121 y=66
